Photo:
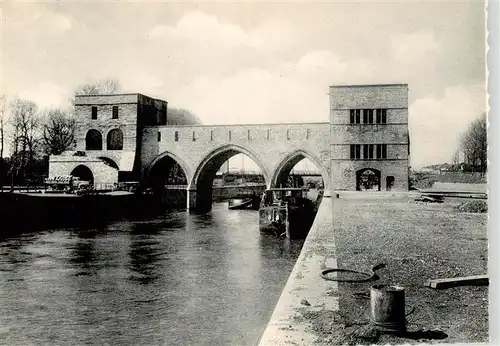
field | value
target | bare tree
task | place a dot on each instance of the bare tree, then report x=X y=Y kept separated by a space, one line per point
x=100 y=87
x=58 y=132
x=474 y=143
x=25 y=137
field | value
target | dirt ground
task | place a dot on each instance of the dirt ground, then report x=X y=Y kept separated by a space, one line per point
x=417 y=242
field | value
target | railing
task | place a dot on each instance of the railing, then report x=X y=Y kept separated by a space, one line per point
x=293 y=172
x=23 y=188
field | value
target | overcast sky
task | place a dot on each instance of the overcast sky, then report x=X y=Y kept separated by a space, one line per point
x=257 y=62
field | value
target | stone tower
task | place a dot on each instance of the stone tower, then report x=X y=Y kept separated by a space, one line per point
x=369 y=137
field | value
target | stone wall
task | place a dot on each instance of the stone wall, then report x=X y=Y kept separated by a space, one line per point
x=394 y=133
x=134 y=112
x=270 y=146
x=65 y=164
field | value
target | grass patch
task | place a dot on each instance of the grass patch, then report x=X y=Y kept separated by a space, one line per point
x=417 y=242
x=473 y=206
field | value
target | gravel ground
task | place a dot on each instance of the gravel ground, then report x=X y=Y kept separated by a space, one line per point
x=417 y=242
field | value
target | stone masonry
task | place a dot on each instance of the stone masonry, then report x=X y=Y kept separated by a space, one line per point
x=200 y=150
x=394 y=134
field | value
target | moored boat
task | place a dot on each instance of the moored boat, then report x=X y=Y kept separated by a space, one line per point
x=287 y=212
x=244 y=203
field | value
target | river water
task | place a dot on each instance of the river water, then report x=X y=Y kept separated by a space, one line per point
x=178 y=279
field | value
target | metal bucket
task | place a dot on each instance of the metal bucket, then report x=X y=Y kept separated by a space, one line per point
x=388 y=308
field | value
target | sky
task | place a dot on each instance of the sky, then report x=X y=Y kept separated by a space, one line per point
x=257 y=62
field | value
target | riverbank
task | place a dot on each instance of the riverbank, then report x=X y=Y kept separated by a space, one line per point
x=417 y=242
x=30 y=211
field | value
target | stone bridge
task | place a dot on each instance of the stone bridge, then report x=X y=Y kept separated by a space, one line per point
x=201 y=150
x=364 y=145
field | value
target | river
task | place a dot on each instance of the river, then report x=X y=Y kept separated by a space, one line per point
x=178 y=279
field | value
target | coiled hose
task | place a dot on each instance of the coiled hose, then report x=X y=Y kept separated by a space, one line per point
x=368 y=276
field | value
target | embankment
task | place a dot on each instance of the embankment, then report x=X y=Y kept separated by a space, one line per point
x=306 y=294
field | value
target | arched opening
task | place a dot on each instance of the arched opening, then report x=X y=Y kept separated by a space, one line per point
x=368 y=179
x=84 y=173
x=228 y=173
x=168 y=180
x=114 y=140
x=301 y=170
x=109 y=162
x=93 y=140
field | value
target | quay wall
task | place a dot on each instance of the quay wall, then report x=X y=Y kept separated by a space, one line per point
x=286 y=327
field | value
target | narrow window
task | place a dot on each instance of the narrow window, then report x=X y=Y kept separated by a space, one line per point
x=381 y=151
x=353 y=151
x=229 y=134
x=94 y=112
x=194 y=136
x=249 y=137
x=370 y=116
x=370 y=151
x=307 y=133
x=365 y=116
x=358 y=151
x=159 y=136
x=268 y=134
x=211 y=135
x=115 y=112
x=358 y=116
x=365 y=151
x=288 y=134
x=384 y=116
x=351 y=116
x=379 y=115
x=176 y=136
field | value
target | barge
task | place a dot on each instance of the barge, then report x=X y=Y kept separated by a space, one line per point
x=288 y=212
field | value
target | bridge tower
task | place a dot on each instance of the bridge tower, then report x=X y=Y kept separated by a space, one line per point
x=369 y=137
x=109 y=137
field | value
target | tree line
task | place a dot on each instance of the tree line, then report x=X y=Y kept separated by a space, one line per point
x=474 y=145
x=33 y=134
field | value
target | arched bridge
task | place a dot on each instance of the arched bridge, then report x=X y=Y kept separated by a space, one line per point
x=201 y=150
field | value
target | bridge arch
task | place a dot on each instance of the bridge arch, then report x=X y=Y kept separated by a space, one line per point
x=162 y=158
x=200 y=186
x=286 y=165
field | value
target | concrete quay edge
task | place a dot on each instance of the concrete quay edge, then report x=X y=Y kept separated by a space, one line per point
x=287 y=326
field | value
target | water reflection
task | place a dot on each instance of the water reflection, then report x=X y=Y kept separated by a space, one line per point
x=145 y=253
x=83 y=255
x=179 y=279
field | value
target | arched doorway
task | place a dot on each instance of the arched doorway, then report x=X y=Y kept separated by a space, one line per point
x=218 y=163
x=84 y=173
x=368 y=179
x=93 y=140
x=114 y=140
